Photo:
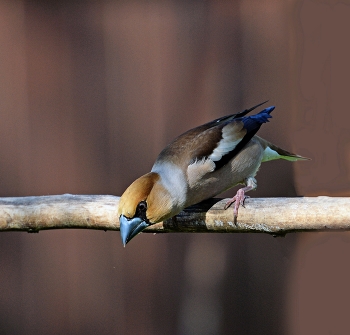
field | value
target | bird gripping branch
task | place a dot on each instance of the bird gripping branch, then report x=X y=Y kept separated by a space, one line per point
x=200 y=164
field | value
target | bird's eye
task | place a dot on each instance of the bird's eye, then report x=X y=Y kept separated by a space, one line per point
x=142 y=206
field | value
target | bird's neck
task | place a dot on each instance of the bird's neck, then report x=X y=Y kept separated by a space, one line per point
x=173 y=180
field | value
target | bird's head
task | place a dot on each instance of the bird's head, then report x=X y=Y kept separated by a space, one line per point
x=144 y=202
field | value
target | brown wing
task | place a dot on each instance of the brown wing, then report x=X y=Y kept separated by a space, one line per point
x=219 y=136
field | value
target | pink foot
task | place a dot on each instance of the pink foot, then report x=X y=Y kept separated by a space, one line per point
x=239 y=199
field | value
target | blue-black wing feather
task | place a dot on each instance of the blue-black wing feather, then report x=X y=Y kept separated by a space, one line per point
x=252 y=124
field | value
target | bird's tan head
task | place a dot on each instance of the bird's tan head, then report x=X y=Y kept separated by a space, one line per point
x=143 y=203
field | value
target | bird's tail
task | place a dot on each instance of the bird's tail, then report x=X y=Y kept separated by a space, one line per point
x=272 y=152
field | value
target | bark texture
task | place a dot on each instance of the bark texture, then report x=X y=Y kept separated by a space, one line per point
x=276 y=216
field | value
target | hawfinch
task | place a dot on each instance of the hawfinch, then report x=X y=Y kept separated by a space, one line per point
x=198 y=165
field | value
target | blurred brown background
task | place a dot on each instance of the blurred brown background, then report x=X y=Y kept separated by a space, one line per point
x=90 y=92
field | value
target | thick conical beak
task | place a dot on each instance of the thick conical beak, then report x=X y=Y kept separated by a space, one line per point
x=129 y=228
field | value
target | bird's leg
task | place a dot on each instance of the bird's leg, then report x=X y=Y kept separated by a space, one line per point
x=240 y=196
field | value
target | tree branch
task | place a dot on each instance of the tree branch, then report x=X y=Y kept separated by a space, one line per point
x=276 y=216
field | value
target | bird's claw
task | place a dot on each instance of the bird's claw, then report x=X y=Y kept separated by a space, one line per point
x=243 y=200
x=229 y=203
x=238 y=199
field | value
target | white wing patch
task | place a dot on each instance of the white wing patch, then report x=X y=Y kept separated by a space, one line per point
x=198 y=169
x=227 y=143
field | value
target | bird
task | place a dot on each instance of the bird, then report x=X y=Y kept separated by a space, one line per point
x=198 y=165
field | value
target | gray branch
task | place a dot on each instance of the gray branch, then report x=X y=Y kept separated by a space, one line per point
x=276 y=216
